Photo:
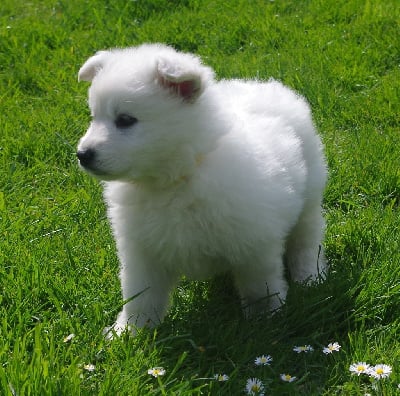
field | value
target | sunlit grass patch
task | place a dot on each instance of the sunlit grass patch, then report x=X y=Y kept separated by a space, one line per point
x=58 y=267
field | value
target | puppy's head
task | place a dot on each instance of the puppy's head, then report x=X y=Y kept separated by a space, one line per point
x=145 y=103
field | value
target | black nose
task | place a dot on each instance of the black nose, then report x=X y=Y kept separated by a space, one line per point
x=86 y=157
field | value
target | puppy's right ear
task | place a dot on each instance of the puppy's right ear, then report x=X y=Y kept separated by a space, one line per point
x=92 y=66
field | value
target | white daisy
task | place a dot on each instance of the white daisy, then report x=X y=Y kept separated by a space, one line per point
x=360 y=368
x=332 y=347
x=89 y=367
x=303 y=348
x=263 y=360
x=156 y=371
x=254 y=387
x=380 y=371
x=221 y=377
x=287 y=378
x=69 y=337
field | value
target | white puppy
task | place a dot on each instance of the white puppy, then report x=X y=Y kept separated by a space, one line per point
x=202 y=177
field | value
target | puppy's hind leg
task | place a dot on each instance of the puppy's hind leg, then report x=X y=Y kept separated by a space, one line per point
x=304 y=252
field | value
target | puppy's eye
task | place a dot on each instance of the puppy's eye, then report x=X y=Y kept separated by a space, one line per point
x=125 y=121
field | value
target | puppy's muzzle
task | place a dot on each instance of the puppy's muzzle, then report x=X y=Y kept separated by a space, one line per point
x=86 y=157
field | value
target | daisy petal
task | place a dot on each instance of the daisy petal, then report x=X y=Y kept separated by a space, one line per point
x=156 y=371
x=303 y=348
x=380 y=371
x=332 y=347
x=287 y=378
x=221 y=377
x=254 y=387
x=263 y=360
x=360 y=368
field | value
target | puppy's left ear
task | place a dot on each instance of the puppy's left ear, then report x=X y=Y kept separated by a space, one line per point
x=92 y=66
x=185 y=80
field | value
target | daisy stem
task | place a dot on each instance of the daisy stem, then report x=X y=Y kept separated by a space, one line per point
x=161 y=385
x=377 y=387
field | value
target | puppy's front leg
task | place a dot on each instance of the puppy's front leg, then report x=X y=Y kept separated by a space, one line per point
x=146 y=288
x=262 y=284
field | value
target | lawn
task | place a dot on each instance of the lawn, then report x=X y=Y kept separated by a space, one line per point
x=58 y=265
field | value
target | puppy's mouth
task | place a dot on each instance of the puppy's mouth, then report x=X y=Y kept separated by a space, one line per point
x=97 y=173
x=87 y=161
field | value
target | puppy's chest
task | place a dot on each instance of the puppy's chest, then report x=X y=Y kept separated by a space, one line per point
x=186 y=230
x=181 y=224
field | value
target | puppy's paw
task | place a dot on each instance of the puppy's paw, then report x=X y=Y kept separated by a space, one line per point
x=268 y=305
x=117 y=330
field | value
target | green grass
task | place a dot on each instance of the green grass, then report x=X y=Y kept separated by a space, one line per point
x=58 y=267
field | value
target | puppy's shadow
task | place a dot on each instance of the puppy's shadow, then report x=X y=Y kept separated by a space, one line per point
x=199 y=308
x=205 y=310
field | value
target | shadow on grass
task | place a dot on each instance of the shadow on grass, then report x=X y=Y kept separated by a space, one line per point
x=207 y=324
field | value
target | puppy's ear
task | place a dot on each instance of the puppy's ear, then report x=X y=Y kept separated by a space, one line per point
x=92 y=66
x=186 y=79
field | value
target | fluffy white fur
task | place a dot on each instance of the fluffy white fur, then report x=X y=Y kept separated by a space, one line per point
x=201 y=177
